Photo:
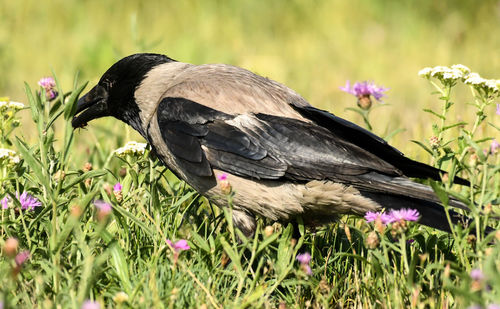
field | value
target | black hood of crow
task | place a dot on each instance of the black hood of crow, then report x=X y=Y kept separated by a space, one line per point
x=114 y=94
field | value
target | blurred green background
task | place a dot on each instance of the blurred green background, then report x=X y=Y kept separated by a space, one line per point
x=311 y=46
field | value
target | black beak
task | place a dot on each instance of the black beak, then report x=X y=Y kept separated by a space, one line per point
x=91 y=106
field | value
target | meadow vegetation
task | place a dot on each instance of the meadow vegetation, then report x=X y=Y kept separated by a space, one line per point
x=83 y=223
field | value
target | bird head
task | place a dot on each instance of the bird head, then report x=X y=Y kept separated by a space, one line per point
x=114 y=94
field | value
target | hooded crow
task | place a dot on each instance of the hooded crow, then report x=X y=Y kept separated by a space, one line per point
x=283 y=157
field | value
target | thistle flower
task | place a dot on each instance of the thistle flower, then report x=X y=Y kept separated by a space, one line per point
x=363 y=91
x=494 y=146
x=6 y=201
x=476 y=274
x=27 y=201
x=88 y=304
x=22 y=257
x=375 y=216
x=404 y=215
x=49 y=84
x=103 y=209
x=131 y=148
x=224 y=184
x=180 y=245
x=304 y=260
x=117 y=191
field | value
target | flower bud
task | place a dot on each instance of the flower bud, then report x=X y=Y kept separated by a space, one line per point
x=434 y=142
x=76 y=211
x=87 y=167
x=268 y=231
x=473 y=159
x=10 y=247
x=364 y=102
x=59 y=175
x=372 y=240
x=120 y=297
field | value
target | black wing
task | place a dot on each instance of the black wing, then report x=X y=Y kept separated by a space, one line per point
x=357 y=135
x=260 y=146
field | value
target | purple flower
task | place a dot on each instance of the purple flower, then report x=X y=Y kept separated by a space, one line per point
x=117 y=187
x=48 y=83
x=498 y=109
x=88 y=304
x=27 y=201
x=494 y=146
x=180 y=245
x=102 y=206
x=476 y=274
x=493 y=306
x=22 y=257
x=222 y=176
x=304 y=260
x=403 y=214
x=5 y=202
x=374 y=216
x=361 y=89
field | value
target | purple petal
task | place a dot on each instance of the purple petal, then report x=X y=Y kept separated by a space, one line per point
x=347 y=88
x=22 y=257
x=181 y=245
x=222 y=176
x=88 y=304
x=476 y=274
x=5 y=202
x=494 y=146
x=117 y=187
x=403 y=214
x=304 y=258
x=102 y=206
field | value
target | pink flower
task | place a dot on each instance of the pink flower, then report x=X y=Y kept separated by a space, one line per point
x=102 y=206
x=222 y=176
x=304 y=260
x=22 y=257
x=103 y=209
x=180 y=245
x=117 y=187
x=360 y=89
x=476 y=274
x=48 y=83
x=5 y=202
x=374 y=216
x=498 y=109
x=88 y=304
x=27 y=201
x=494 y=146
x=403 y=214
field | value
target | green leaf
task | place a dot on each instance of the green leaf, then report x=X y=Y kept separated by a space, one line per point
x=423 y=146
x=70 y=107
x=434 y=113
x=393 y=133
x=232 y=254
x=33 y=163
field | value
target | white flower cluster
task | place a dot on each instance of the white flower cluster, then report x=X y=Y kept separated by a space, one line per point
x=132 y=148
x=11 y=105
x=463 y=73
x=9 y=156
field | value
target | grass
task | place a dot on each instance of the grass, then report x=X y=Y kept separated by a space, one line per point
x=79 y=254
